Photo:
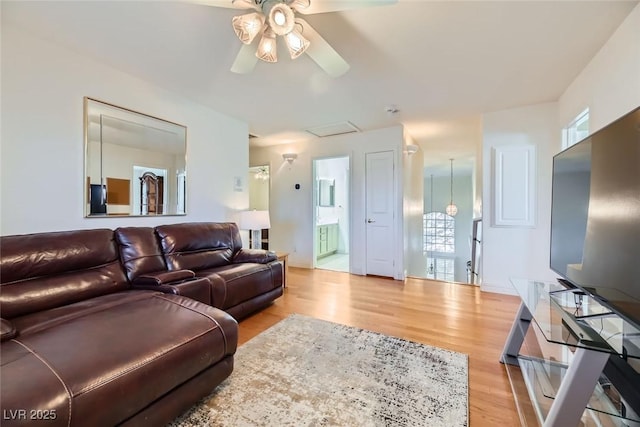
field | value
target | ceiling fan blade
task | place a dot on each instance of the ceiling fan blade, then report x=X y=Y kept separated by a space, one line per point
x=322 y=52
x=246 y=60
x=229 y=4
x=323 y=6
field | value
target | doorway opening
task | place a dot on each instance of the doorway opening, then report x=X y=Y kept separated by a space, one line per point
x=332 y=226
x=448 y=240
x=259 y=184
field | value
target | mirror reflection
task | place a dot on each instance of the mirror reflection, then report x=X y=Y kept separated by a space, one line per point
x=135 y=164
x=326 y=192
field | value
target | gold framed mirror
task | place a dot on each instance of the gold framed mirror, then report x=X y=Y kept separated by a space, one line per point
x=135 y=164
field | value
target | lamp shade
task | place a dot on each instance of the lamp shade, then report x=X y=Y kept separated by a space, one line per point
x=267 y=50
x=296 y=43
x=247 y=27
x=412 y=149
x=254 y=220
x=290 y=157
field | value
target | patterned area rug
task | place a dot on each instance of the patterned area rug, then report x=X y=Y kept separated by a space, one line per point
x=309 y=372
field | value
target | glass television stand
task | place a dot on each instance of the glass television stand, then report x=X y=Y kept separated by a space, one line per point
x=561 y=360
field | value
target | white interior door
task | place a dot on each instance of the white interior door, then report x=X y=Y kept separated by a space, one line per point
x=380 y=213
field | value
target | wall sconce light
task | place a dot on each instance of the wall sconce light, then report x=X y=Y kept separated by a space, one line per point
x=290 y=157
x=411 y=149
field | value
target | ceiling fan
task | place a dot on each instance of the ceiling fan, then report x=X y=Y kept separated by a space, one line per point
x=272 y=18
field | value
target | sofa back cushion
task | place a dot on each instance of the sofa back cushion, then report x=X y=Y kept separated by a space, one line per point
x=139 y=251
x=199 y=245
x=46 y=270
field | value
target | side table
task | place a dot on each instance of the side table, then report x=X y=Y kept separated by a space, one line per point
x=284 y=257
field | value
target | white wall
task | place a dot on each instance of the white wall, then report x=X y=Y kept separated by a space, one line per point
x=610 y=84
x=43 y=85
x=610 y=87
x=478 y=185
x=291 y=210
x=518 y=251
x=413 y=198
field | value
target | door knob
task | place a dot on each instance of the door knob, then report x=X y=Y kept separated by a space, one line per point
x=371 y=220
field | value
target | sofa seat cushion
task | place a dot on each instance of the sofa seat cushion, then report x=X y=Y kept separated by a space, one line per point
x=134 y=347
x=43 y=320
x=240 y=282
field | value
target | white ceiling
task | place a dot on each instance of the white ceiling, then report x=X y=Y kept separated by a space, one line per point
x=442 y=63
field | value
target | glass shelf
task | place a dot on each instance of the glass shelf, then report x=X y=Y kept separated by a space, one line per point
x=574 y=318
x=542 y=379
x=576 y=338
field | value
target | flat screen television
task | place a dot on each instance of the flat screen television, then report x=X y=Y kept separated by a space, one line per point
x=595 y=216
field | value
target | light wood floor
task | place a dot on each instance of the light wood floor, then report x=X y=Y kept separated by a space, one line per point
x=452 y=316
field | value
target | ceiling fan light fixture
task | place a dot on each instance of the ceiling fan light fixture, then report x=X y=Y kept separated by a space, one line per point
x=296 y=43
x=299 y=4
x=262 y=173
x=281 y=19
x=248 y=26
x=245 y=4
x=267 y=49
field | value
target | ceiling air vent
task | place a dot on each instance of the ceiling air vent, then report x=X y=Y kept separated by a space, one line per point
x=333 y=129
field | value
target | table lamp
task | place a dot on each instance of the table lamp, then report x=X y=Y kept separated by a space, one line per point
x=254 y=221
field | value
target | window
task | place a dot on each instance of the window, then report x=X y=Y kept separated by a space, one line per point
x=577 y=130
x=439 y=239
x=440 y=269
x=439 y=233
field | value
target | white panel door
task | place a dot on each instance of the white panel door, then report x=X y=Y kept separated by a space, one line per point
x=380 y=213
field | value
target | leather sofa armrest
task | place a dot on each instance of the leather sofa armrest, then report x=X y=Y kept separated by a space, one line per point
x=163 y=277
x=7 y=329
x=259 y=256
x=198 y=288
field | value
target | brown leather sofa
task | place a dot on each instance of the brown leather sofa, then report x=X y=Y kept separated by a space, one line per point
x=99 y=328
x=241 y=280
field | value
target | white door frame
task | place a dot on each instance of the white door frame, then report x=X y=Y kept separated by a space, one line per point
x=314 y=196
